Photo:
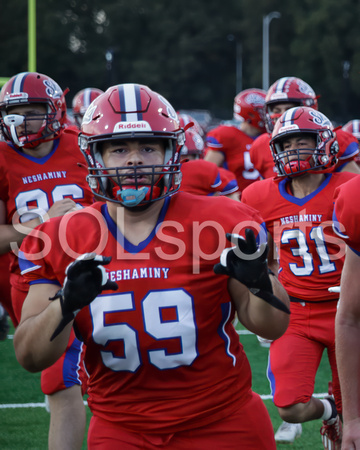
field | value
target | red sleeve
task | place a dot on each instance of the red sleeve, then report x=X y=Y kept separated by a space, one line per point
x=346 y=216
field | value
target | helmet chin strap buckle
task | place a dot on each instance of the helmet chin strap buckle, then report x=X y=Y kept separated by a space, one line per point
x=132 y=197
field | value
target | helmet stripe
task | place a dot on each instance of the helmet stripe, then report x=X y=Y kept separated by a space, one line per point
x=281 y=84
x=356 y=128
x=289 y=117
x=130 y=100
x=19 y=81
x=87 y=97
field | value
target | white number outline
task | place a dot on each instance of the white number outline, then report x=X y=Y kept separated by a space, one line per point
x=42 y=200
x=302 y=250
x=151 y=305
x=249 y=172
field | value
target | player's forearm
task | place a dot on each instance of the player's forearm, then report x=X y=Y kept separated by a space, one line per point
x=348 y=363
x=215 y=157
x=347 y=336
x=272 y=323
x=11 y=237
x=33 y=348
x=259 y=316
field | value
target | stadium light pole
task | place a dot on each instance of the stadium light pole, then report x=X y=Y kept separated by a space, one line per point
x=266 y=26
x=238 y=60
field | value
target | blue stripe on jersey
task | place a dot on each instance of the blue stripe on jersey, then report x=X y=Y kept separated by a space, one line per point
x=232 y=186
x=351 y=150
x=24 y=264
x=39 y=161
x=337 y=227
x=217 y=181
x=44 y=281
x=270 y=377
x=355 y=251
x=213 y=142
x=302 y=201
x=121 y=239
x=226 y=312
x=71 y=366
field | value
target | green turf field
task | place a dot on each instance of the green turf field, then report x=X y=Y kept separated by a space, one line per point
x=24 y=420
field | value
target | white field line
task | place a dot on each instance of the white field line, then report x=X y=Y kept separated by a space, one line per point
x=42 y=405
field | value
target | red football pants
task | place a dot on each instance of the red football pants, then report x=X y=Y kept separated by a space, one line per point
x=249 y=428
x=295 y=356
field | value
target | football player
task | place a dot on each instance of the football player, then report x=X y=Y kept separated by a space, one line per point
x=286 y=93
x=353 y=127
x=308 y=261
x=229 y=145
x=43 y=175
x=81 y=101
x=165 y=364
x=347 y=324
x=204 y=177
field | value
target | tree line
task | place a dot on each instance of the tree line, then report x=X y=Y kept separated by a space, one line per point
x=189 y=51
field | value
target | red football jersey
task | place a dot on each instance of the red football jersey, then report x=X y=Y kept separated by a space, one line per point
x=200 y=177
x=262 y=159
x=29 y=186
x=347 y=213
x=261 y=156
x=229 y=183
x=235 y=146
x=309 y=255
x=161 y=352
x=206 y=178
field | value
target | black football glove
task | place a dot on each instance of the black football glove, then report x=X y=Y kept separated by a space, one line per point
x=247 y=263
x=85 y=279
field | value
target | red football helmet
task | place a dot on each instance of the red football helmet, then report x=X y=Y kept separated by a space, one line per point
x=194 y=144
x=287 y=90
x=81 y=101
x=249 y=107
x=131 y=111
x=185 y=119
x=30 y=88
x=307 y=121
x=353 y=127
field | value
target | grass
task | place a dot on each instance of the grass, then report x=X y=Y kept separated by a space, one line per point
x=27 y=427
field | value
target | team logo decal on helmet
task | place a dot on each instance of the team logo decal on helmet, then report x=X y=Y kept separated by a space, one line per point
x=52 y=89
x=89 y=114
x=249 y=106
x=169 y=109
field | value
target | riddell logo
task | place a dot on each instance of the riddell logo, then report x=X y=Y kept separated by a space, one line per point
x=127 y=126
x=16 y=96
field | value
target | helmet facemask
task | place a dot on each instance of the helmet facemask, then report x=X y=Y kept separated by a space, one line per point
x=107 y=184
x=312 y=160
x=31 y=89
x=49 y=129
